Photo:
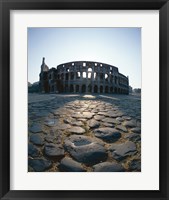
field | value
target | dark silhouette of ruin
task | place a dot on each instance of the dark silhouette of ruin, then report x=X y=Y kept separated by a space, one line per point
x=82 y=77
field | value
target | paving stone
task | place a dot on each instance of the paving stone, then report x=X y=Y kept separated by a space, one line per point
x=98 y=117
x=39 y=165
x=121 y=151
x=76 y=130
x=33 y=151
x=63 y=126
x=93 y=123
x=108 y=167
x=108 y=125
x=50 y=138
x=42 y=113
x=107 y=134
x=51 y=122
x=69 y=165
x=122 y=128
x=86 y=150
x=136 y=130
x=53 y=150
x=120 y=119
x=77 y=123
x=130 y=124
x=126 y=118
x=35 y=128
x=114 y=114
x=77 y=115
x=36 y=139
x=135 y=165
x=102 y=113
x=87 y=115
x=110 y=120
x=133 y=137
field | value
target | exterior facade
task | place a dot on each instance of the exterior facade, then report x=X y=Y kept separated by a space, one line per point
x=82 y=77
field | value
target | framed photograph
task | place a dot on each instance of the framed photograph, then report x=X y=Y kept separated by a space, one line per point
x=84 y=99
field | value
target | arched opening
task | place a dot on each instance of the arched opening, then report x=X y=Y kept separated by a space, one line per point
x=89 y=75
x=89 y=69
x=67 y=76
x=89 y=88
x=115 y=79
x=84 y=74
x=106 y=77
x=71 y=88
x=78 y=75
x=101 y=89
x=66 y=88
x=95 y=89
x=115 y=90
x=83 y=88
x=111 y=90
x=101 y=76
x=106 y=89
x=77 y=88
x=72 y=76
x=94 y=75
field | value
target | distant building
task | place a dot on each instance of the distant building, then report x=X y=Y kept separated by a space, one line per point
x=130 y=89
x=82 y=77
x=137 y=90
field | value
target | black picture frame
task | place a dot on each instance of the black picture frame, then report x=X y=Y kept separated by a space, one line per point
x=5 y=7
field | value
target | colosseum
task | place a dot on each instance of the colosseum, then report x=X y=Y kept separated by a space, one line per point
x=82 y=77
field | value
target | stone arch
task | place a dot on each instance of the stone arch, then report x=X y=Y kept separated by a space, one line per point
x=115 y=90
x=72 y=76
x=83 y=88
x=66 y=88
x=106 y=89
x=77 y=88
x=111 y=89
x=71 y=88
x=89 y=88
x=101 y=89
x=67 y=76
x=95 y=89
x=89 y=69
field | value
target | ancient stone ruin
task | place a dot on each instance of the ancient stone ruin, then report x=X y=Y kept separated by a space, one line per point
x=82 y=77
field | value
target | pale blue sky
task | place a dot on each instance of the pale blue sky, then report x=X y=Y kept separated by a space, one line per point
x=120 y=47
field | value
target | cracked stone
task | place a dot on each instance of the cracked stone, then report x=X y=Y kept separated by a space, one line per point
x=86 y=150
x=121 y=151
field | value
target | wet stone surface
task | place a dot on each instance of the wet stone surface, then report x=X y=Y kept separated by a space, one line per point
x=84 y=133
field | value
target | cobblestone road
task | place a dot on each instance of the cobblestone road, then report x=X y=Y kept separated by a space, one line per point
x=84 y=133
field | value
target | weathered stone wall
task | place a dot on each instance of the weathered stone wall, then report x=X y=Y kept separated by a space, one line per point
x=92 y=77
x=85 y=77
